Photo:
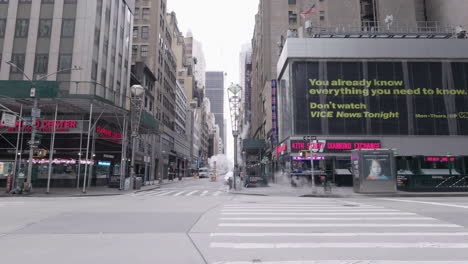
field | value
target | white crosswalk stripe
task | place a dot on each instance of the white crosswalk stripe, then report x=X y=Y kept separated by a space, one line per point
x=334 y=232
x=178 y=193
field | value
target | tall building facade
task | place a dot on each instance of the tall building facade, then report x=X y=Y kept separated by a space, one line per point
x=77 y=56
x=152 y=44
x=214 y=90
x=245 y=65
x=187 y=80
x=43 y=37
x=278 y=20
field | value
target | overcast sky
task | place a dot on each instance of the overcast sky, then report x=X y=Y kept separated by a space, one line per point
x=222 y=26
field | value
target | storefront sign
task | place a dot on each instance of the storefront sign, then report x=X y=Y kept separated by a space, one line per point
x=280 y=149
x=334 y=145
x=440 y=159
x=62 y=161
x=108 y=134
x=47 y=126
x=104 y=163
x=309 y=158
x=274 y=117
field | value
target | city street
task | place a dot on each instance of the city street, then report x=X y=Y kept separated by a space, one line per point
x=198 y=221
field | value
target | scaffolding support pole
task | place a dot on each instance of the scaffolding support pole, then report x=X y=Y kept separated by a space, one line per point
x=51 y=150
x=79 y=158
x=87 y=147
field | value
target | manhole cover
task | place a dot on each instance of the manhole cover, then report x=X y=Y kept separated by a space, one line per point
x=351 y=205
x=256 y=260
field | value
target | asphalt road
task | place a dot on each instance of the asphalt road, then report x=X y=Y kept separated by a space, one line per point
x=198 y=221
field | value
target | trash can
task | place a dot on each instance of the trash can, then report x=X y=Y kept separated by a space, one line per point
x=138 y=183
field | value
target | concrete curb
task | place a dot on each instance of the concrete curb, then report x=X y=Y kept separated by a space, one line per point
x=415 y=195
x=252 y=194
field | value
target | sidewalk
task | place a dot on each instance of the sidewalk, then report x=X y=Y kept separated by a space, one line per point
x=91 y=191
x=337 y=192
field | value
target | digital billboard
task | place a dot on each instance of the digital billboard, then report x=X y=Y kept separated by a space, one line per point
x=377 y=166
x=380 y=98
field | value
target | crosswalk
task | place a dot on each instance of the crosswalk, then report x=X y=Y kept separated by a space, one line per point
x=327 y=231
x=181 y=193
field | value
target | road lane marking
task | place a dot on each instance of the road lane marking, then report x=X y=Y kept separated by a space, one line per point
x=423 y=202
x=313 y=210
x=343 y=262
x=179 y=193
x=286 y=204
x=431 y=245
x=217 y=193
x=390 y=234
x=331 y=225
x=300 y=208
x=320 y=213
x=328 y=218
x=149 y=193
x=203 y=193
x=190 y=193
x=164 y=193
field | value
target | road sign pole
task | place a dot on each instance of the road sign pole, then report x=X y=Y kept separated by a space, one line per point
x=32 y=143
x=311 y=138
x=20 y=121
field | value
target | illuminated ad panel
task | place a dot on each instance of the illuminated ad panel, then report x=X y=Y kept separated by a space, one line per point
x=380 y=98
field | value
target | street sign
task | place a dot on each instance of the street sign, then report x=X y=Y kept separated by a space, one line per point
x=36 y=112
x=8 y=120
x=308 y=138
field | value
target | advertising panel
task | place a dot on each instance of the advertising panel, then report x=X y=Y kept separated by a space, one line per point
x=377 y=166
x=373 y=171
x=380 y=98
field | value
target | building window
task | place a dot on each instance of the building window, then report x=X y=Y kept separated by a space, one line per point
x=135 y=33
x=25 y=1
x=145 y=32
x=65 y=62
x=68 y=28
x=4 y=1
x=69 y=1
x=292 y=2
x=134 y=50
x=137 y=13
x=145 y=14
x=22 y=27
x=48 y=1
x=144 y=51
x=41 y=64
x=322 y=15
x=45 y=28
x=2 y=27
x=103 y=77
x=292 y=17
x=94 y=70
x=18 y=60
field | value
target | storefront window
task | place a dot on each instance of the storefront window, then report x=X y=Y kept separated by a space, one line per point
x=6 y=168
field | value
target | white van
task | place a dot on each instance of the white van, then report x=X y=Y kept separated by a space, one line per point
x=203 y=172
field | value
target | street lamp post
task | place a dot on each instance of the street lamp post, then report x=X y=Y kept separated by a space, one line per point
x=234 y=107
x=35 y=113
x=137 y=99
